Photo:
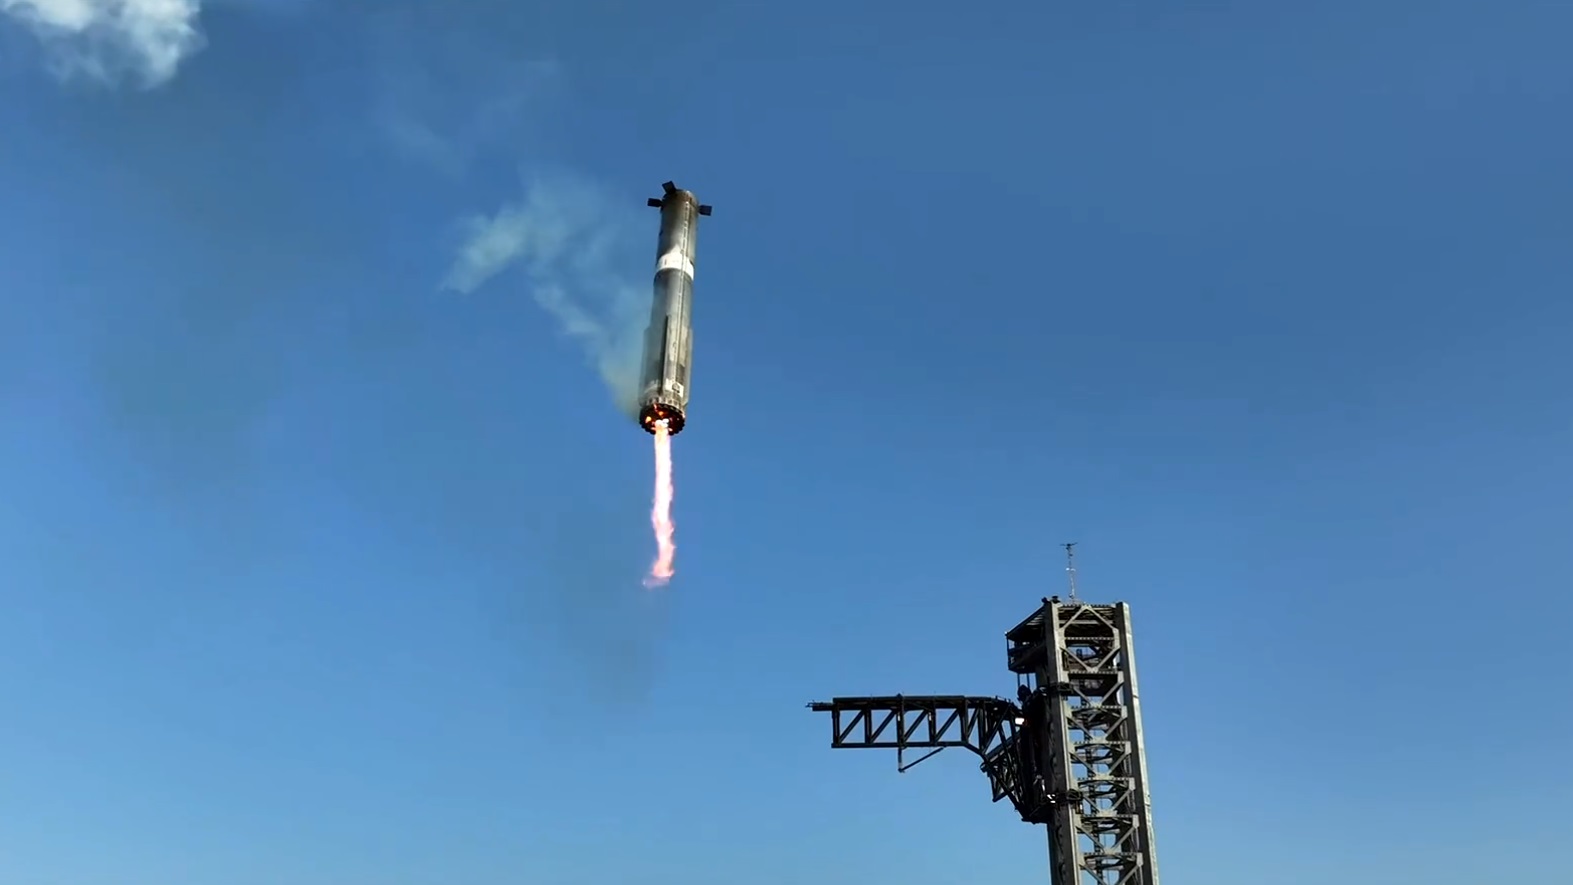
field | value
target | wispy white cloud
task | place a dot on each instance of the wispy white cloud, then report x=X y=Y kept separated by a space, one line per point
x=105 y=40
x=445 y=94
x=573 y=251
x=453 y=93
x=417 y=112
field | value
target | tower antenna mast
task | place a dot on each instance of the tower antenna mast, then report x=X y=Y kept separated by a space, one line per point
x=1070 y=566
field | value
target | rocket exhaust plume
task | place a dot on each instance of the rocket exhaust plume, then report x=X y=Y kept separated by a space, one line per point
x=661 y=570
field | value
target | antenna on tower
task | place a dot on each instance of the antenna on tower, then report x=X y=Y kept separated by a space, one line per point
x=1070 y=566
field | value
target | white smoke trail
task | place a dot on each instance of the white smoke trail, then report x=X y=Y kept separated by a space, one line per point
x=564 y=236
x=106 y=39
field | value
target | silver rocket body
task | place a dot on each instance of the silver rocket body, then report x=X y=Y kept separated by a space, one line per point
x=669 y=339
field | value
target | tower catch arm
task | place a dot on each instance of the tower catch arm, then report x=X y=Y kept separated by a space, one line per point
x=986 y=726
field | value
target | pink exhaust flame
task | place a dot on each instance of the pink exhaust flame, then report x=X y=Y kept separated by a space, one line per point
x=661 y=570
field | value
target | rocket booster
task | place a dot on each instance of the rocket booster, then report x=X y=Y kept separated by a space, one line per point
x=669 y=340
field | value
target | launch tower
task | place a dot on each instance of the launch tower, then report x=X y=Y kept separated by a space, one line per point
x=1068 y=752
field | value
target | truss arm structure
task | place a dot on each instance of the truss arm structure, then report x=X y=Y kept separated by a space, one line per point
x=986 y=726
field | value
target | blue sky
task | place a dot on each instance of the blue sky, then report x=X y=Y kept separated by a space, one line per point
x=316 y=571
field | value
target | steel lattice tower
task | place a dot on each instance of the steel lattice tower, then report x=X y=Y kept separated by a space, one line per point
x=1079 y=659
x=1068 y=753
